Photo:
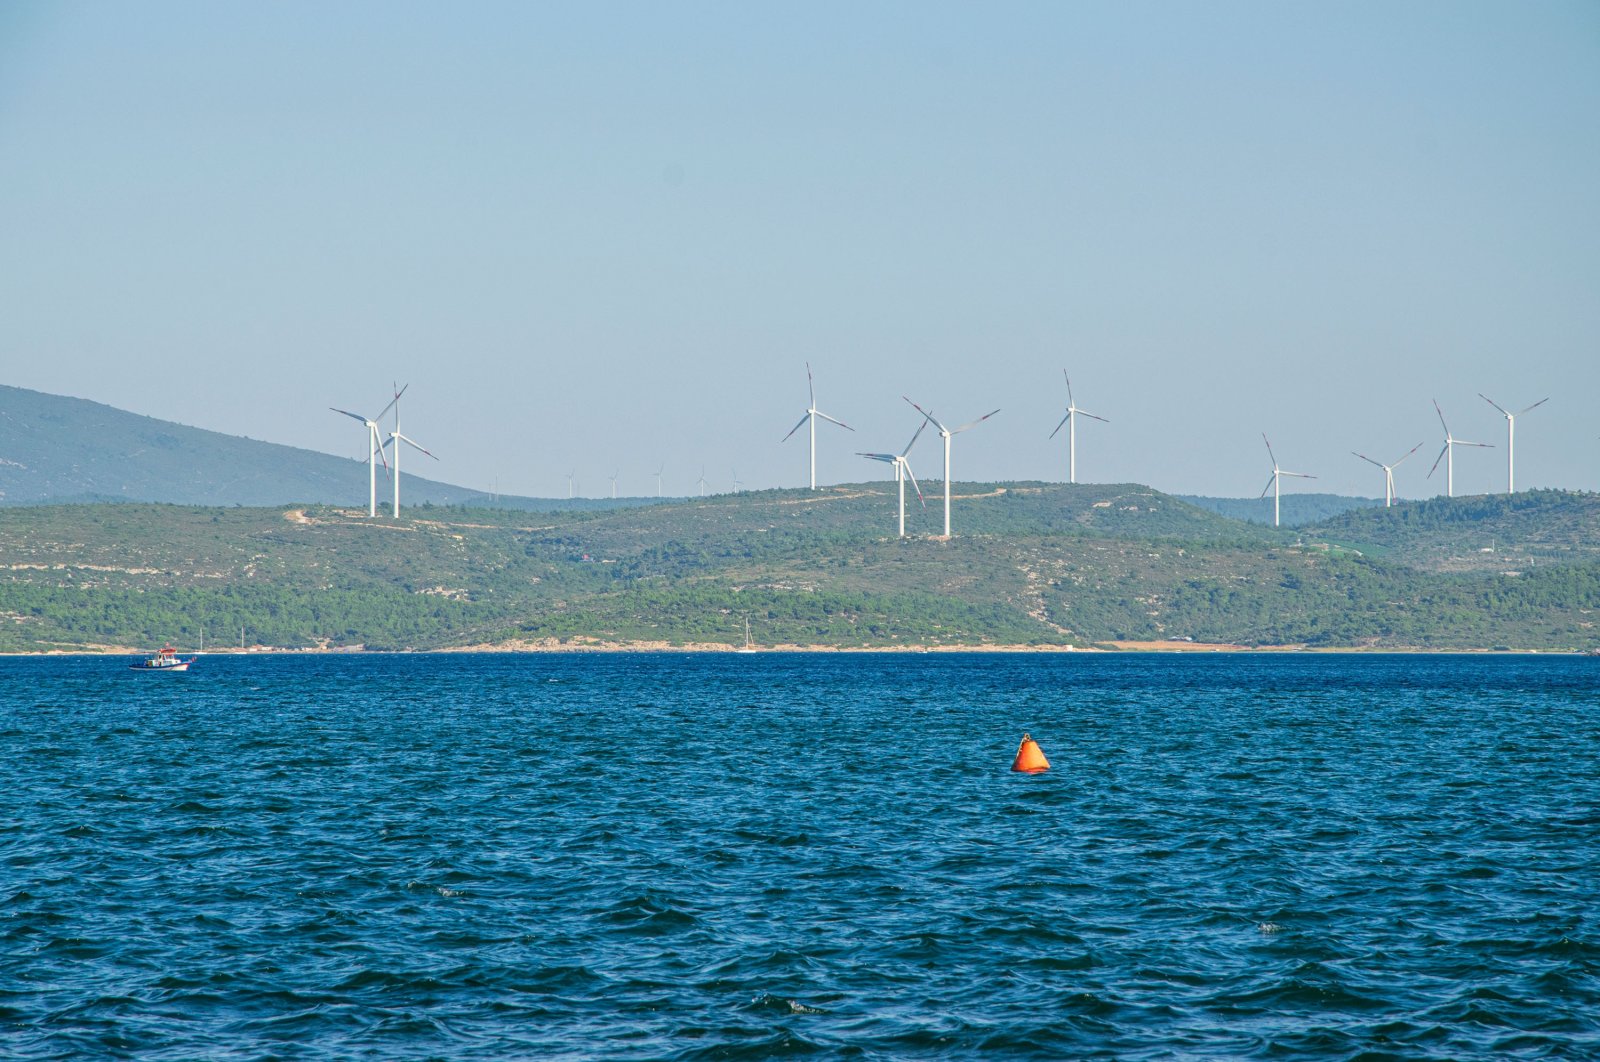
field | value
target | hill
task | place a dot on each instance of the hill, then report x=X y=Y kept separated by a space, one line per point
x=1034 y=564
x=59 y=450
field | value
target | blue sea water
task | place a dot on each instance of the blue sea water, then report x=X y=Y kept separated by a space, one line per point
x=662 y=856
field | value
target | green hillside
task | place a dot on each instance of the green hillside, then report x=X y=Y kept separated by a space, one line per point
x=1032 y=564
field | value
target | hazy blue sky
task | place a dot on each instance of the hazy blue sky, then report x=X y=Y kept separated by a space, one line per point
x=611 y=235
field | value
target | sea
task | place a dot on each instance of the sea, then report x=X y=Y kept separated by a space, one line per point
x=751 y=856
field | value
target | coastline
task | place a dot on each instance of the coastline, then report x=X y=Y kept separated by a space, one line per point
x=595 y=645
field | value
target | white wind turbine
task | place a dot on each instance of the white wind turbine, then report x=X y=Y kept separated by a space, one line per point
x=1511 y=438
x=397 y=438
x=702 y=483
x=1448 y=454
x=660 y=470
x=812 y=413
x=571 y=477
x=374 y=454
x=1277 y=474
x=736 y=482
x=1388 y=473
x=1071 y=423
x=947 y=433
x=614 y=476
x=902 y=469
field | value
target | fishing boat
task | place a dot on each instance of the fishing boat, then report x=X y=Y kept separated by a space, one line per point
x=164 y=659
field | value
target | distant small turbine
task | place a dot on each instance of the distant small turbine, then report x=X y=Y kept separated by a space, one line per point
x=374 y=452
x=736 y=483
x=702 y=481
x=397 y=438
x=902 y=469
x=1388 y=473
x=1448 y=454
x=812 y=413
x=947 y=433
x=614 y=476
x=1071 y=422
x=1511 y=438
x=1277 y=474
x=571 y=478
x=660 y=470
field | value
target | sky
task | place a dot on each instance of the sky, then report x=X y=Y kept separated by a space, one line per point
x=609 y=236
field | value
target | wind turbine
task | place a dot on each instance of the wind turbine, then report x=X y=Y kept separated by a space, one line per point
x=1388 y=473
x=660 y=470
x=947 y=433
x=571 y=477
x=902 y=469
x=614 y=476
x=1071 y=422
x=1277 y=474
x=736 y=483
x=374 y=454
x=1448 y=454
x=702 y=481
x=397 y=438
x=812 y=413
x=1511 y=438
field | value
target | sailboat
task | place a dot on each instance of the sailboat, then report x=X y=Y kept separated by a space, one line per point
x=748 y=648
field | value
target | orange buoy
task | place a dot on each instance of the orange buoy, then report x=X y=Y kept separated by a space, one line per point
x=1030 y=757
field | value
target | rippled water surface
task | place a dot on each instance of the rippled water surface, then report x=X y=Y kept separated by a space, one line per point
x=719 y=856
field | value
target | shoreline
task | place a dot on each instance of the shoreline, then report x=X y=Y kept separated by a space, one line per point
x=581 y=646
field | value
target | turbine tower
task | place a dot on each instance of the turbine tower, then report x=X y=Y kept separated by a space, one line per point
x=614 y=476
x=571 y=477
x=947 y=433
x=374 y=454
x=397 y=438
x=1277 y=474
x=1511 y=438
x=660 y=470
x=702 y=481
x=1388 y=473
x=1071 y=422
x=812 y=413
x=902 y=469
x=1448 y=454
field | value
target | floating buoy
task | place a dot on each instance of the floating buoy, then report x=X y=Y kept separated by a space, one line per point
x=1030 y=757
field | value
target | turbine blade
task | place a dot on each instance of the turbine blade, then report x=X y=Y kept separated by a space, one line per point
x=1269 y=450
x=877 y=457
x=1436 y=460
x=1536 y=405
x=975 y=423
x=841 y=423
x=1270 y=481
x=907 y=466
x=357 y=416
x=812 y=384
x=1091 y=416
x=920 y=429
x=1300 y=475
x=1442 y=424
x=1493 y=403
x=414 y=444
x=1369 y=460
x=1063 y=424
x=1409 y=452
x=925 y=413
x=392 y=401
x=797 y=427
x=1463 y=442
x=1064 y=376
